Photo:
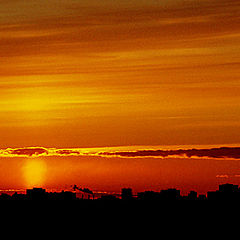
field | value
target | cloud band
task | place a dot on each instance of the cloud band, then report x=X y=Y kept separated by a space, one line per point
x=215 y=153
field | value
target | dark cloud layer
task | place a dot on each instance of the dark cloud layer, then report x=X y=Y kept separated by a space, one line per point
x=28 y=151
x=217 y=153
x=222 y=152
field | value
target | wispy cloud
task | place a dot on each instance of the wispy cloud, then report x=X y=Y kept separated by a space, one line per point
x=84 y=31
x=222 y=176
x=213 y=153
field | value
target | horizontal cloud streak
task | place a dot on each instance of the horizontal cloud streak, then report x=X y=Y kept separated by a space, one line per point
x=215 y=153
x=28 y=151
x=88 y=30
x=222 y=152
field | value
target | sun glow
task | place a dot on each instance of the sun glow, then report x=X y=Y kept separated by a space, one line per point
x=34 y=173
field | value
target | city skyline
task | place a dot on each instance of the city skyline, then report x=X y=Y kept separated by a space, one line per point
x=225 y=192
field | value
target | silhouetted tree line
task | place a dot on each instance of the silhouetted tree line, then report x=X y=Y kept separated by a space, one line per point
x=226 y=192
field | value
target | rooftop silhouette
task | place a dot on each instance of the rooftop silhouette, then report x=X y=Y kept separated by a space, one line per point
x=225 y=192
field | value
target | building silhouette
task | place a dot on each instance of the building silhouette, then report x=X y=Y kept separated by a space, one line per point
x=127 y=194
x=36 y=194
x=192 y=195
x=225 y=192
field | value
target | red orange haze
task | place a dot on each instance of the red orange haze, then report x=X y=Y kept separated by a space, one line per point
x=111 y=94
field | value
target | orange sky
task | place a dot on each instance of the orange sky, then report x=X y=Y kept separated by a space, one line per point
x=78 y=73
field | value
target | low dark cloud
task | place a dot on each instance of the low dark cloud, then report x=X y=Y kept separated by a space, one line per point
x=222 y=152
x=215 y=153
x=67 y=152
x=28 y=151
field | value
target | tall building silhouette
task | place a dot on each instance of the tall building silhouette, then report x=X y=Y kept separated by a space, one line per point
x=127 y=194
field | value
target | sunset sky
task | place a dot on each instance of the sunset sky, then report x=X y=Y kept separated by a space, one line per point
x=85 y=86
